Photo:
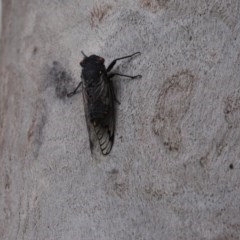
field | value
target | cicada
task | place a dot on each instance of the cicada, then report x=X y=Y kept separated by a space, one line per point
x=99 y=99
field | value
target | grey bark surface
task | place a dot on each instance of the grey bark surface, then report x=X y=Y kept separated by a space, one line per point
x=173 y=172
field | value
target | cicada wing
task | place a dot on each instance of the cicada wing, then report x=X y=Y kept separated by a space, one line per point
x=106 y=128
x=88 y=123
x=99 y=114
x=89 y=133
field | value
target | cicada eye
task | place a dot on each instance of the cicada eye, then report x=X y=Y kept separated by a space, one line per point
x=82 y=63
x=102 y=60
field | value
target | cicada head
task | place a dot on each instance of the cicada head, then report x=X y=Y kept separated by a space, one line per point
x=93 y=59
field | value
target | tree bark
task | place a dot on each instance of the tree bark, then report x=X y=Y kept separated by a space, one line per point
x=173 y=172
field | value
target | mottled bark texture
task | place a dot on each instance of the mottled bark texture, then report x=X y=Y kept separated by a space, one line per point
x=173 y=172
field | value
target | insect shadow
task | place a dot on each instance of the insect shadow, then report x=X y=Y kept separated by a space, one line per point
x=99 y=98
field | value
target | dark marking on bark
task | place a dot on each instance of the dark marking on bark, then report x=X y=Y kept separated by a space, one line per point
x=153 y=193
x=113 y=171
x=120 y=189
x=7 y=182
x=172 y=105
x=35 y=131
x=204 y=160
x=60 y=78
x=226 y=12
x=154 y=5
x=35 y=50
x=232 y=110
x=98 y=13
x=115 y=186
